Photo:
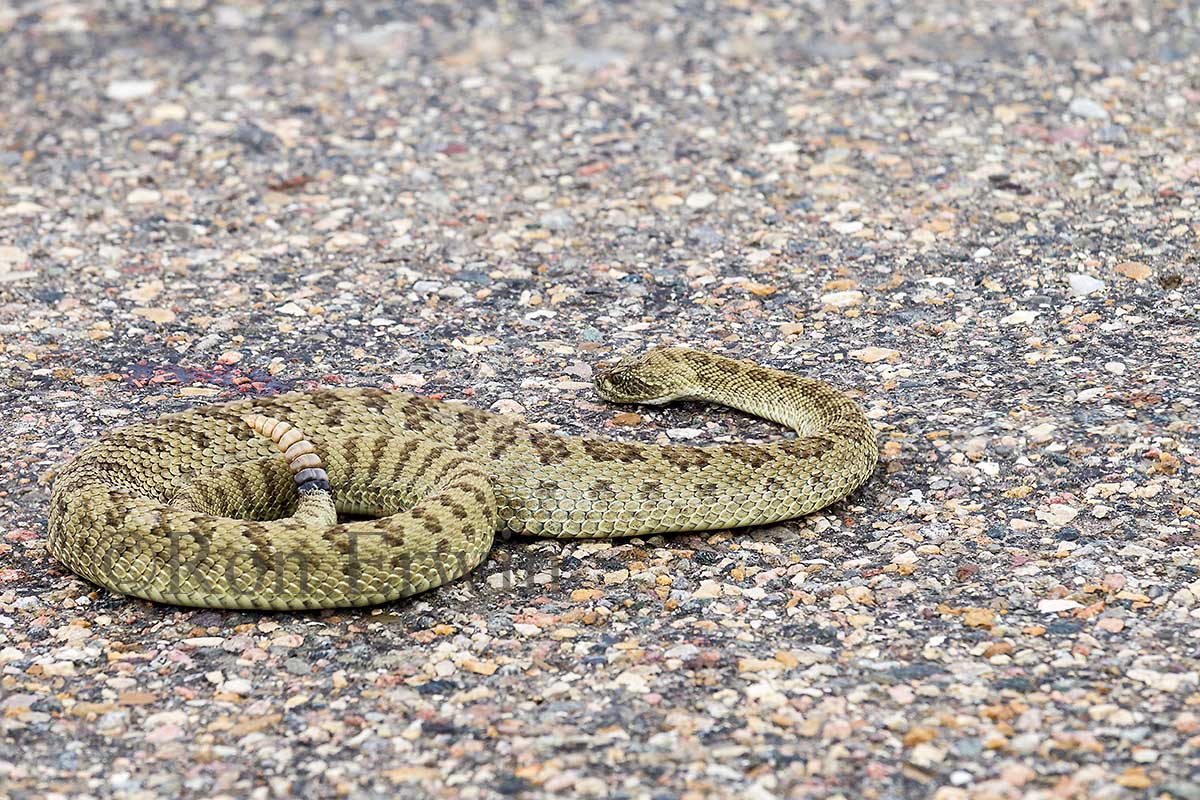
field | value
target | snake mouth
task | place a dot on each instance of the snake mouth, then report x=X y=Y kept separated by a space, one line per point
x=606 y=384
x=645 y=396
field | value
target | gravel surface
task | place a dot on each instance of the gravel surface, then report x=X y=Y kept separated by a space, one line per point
x=979 y=218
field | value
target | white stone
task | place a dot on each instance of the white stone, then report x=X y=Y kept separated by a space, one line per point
x=346 y=241
x=1020 y=317
x=412 y=380
x=169 y=112
x=1087 y=108
x=1040 y=434
x=165 y=718
x=786 y=148
x=1058 y=514
x=1164 y=681
x=229 y=17
x=700 y=199
x=556 y=220
x=143 y=196
x=24 y=208
x=1082 y=285
x=920 y=75
x=683 y=651
x=204 y=641
x=632 y=681
x=130 y=90
x=844 y=299
x=765 y=694
x=1056 y=605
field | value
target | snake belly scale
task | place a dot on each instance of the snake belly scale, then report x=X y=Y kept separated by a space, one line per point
x=200 y=508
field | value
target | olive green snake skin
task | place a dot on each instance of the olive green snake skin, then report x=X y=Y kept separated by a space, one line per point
x=200 y=508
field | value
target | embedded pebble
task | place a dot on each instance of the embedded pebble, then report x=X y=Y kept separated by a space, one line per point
x=1055 y=605
x=557 y=220
x=130 y=89
x=1082 y=285
x=143 y=196
x=1088 y=108
x=871 y=355
x=1020 y=317
x=843 y=299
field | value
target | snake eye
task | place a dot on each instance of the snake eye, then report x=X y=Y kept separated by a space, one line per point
x=629 y=384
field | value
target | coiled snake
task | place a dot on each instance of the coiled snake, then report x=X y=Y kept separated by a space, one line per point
x=201 y=508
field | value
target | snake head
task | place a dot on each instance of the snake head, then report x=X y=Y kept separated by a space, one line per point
x=655 y=377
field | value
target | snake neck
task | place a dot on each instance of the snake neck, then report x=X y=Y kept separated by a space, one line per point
x=808 y=406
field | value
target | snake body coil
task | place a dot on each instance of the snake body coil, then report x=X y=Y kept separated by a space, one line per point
x=200 y=508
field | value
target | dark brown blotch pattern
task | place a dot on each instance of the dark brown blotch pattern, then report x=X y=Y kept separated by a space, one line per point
x=644 y=488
